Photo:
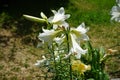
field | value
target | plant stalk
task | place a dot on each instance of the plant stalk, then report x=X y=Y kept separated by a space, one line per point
x=68 y=49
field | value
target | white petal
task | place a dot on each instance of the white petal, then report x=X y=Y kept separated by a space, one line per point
x=50 y=19
x=47 y=31
x=114 y=9
x=115 y=15
x=55 y=26
x=61 y=10
x=117 y=19
x=43 y=15
x=54 y=12
x=58 y=40
x=119 y=4
x=115 y=12
x=67 y=16
x=59 y=18
x=85 y=37
x=81 y=28
x=76 y=48
x=64 y=24
x=118 y=1
x=79 y=32
x=48 y=35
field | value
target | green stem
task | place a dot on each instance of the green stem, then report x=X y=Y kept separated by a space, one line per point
x=54 y=60
x=68 y=47
x=70 y=69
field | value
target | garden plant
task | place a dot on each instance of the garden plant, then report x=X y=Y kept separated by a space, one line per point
x=69 y=54
x=66 y=40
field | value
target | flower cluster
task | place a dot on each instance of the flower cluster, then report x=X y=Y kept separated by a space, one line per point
x=61 y=33
x=65 y=53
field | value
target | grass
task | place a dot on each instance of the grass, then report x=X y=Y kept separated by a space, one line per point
x=18 y=40
x=90 y=11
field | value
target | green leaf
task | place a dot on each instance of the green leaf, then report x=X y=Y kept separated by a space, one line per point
x=32 y=18
x=102 y=52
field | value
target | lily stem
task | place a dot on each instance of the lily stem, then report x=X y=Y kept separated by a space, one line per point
x=54 y=60
x=68 y=46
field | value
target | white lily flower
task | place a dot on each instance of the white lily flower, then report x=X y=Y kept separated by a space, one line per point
x=76 y=49
x=81 y=28
x=76 y=35
x=80 y=32
x=48 y=35
x=59 y=18
x=118 y=2
x=115 y=12
x=41 y=62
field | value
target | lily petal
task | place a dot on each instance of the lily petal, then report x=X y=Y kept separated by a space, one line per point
x=80 y=32
x=61 y=10
x=59 y=18
x=76 y=48
x=48 y=35
x=115 y=13
x=81 y=28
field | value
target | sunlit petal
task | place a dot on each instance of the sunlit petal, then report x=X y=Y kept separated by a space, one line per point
x=61 y=11
x=79 y=33
x=76 y=49
x=59 y=18
x=48 y=35
x=81 y=28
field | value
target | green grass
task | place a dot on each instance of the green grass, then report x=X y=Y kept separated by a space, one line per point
x=18 y=40
x=90 y=11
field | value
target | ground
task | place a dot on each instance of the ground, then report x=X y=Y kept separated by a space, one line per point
x=18 y=53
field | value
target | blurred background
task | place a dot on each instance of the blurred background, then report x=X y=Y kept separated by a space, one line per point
x=20 y=7
x=18 y=36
